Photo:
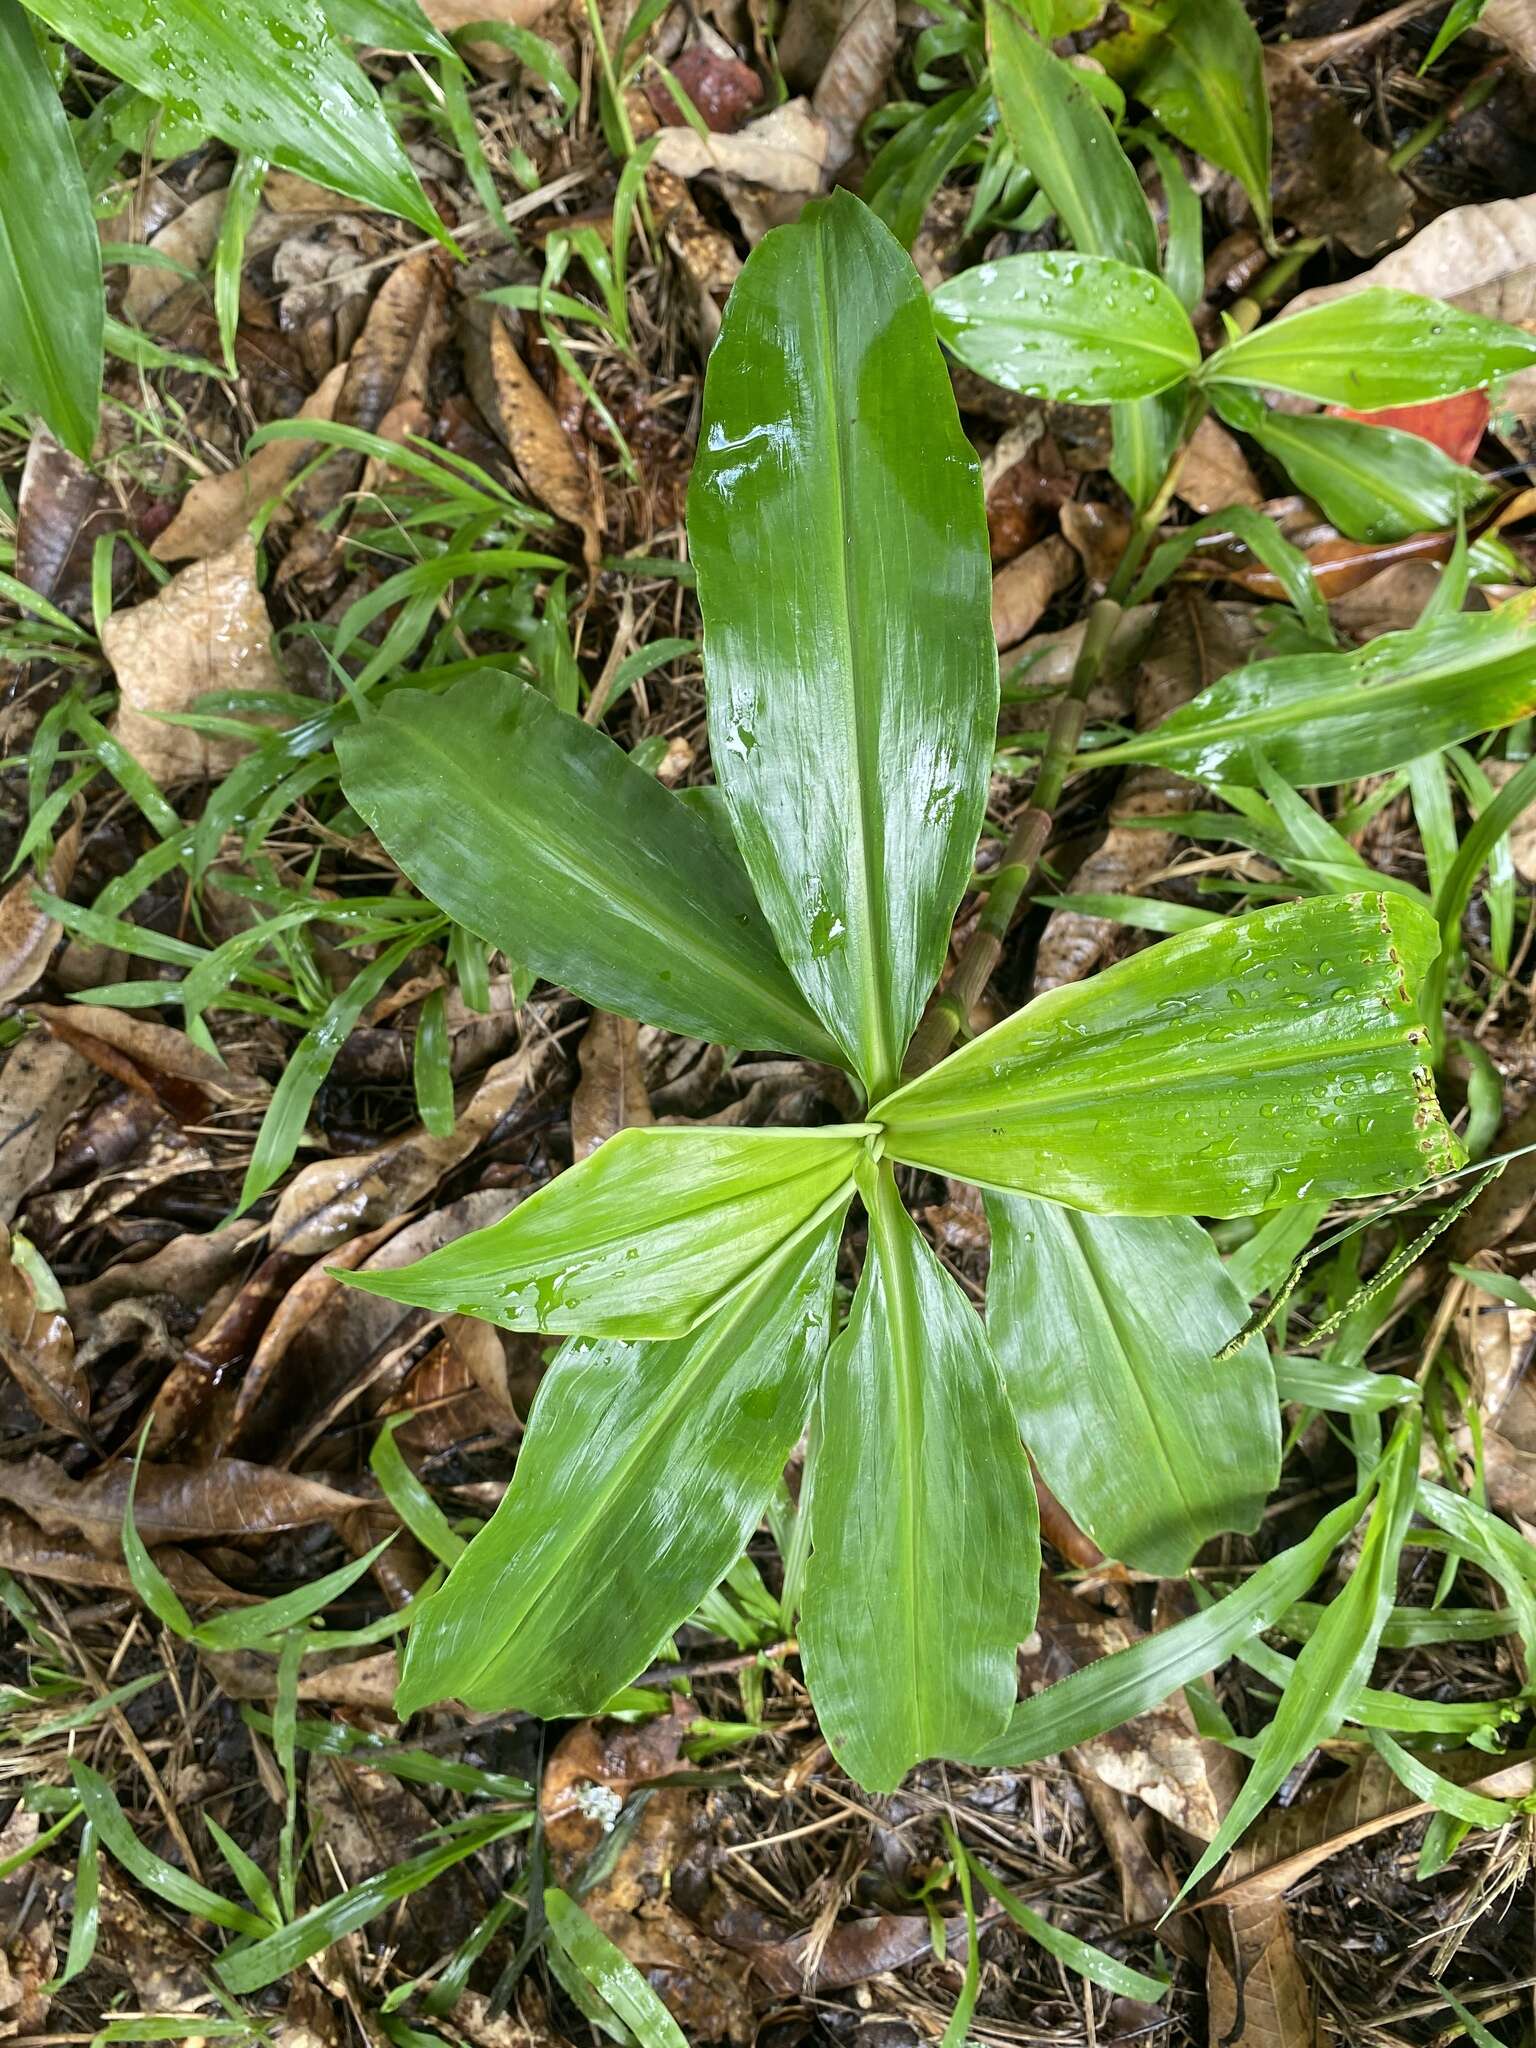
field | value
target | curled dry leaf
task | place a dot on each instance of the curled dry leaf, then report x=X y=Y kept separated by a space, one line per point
x=610 y=1096
x=514 y=404
x=854 y=81
x=1328 y=180
x=151 y=1058
x=207 y=630
x=61 y=508
x=38 y=1349
x=1214 y=473
x=188 y=240
x=451 y=15
x=172 y=1503
x=70 y=1561
x=28 y=934
x=42 y=1084
x=217 y=510
x=1258 y=1992
x=1022 y=591
x=786 y=151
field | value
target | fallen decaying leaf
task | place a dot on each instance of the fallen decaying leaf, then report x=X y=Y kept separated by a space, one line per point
x=853 y=81
x=42 y=1084
x=63 y=504
x=1214 y=473
x=172 y=1503
x=28 y=934
x=1259 y=1994
x=610 y=1096
x=207 y=630
x=1329 y=180
x=1022 y=590
x=26 y=1549
x=786 y=151
x=38 y=1349
x=1454 y=424
x=188 y=240
x=706 y=255
x=217 y=510
x=368 y=1821
x=514 y=404
x=148 y=1054
x=723 y=89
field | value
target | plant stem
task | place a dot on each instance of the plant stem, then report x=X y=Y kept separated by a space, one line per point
x=1467 y=101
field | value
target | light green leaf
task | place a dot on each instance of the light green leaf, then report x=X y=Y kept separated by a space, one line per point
x=924 y=1571
x=1082 y=329
x=1107 y=1971
x=540 y=835
x=1107 y=1330
x=645 y=1469
x=267 y=76
x=910 y=168
x=644 y=1238
x=1336 y=1661
x=1263 y=539
x=853 y=690
x=1462 y=15
x=51 y=305
x=1325 y=718
x=1266 y=1057
x=1372 y=349
x=1502 y=1286
x=1349 y=1389
x=1116 y=1688
x=152 y=1871
x=1059 y=130
x=388 y=25
x=1146 y=435
x=1199 y=65
x=610 y=1973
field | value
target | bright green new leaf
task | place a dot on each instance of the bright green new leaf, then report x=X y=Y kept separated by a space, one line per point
x=837 y=524
x=1107 y=1329
x=1059 y=130
x=1199 y=65
x=51 y=304
x=267 y=76
x=924 y=1573
x=1219 y=1073
x=1117 y=1688
x=541 y=836
x=645 y=1469
x=1373 y=483
x=644 y=1238
x=1372 y=349
x=1082 y=329
x=1325 y=718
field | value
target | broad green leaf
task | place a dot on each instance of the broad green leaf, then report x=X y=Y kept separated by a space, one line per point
x=610 y=1973
x=644 y=1238
x=1373 y=483
x=538 y=834
x=1199 y=65
x=1059 y=130
x=51 y=305
x=1116 y=1688
x=644 y=1471
x=267 y=76
x=853 y=690
x=924 y=1571
x=1107 y=1330
x=1082 y=329
x=1349 y=1389
x=1325 y=718
x=1336 y=1661
x=1375 y=348
x=910 y=168
x=1222 y=1072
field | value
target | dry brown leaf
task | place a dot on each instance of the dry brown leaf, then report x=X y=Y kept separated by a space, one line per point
x=853 y=83
x=207 y=630
x=28 y=934
x=451 y=15
x=38 y=1349
x=1021 y=591
x=218 y=509
x=706 y=255
x=368 y=1821
x=611 y=1095
x=785 y=152
x=1215 y=472
x=188 y=240
x=1512 y=23
x=189 y=1271
x=723 y=89
x=1328 y=179
x=157 y=1053
x=172 y=1503
x=1259 y=1995
x=42 y=1084
x=514 y=404
x=1097 y=534
x=61 y=508
x=26 y=1549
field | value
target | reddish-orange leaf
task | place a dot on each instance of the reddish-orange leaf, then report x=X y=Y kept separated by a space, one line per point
x=1454 y=424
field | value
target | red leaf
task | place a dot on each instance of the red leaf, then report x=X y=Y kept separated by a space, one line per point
x=1454 y=424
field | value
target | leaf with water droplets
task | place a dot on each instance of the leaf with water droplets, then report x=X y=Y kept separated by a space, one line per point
x=645 y=1469
x=1227 y=1070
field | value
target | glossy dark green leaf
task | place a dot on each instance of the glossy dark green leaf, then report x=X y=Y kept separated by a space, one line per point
x=1116 y=1688
x=1325 y=718
x=643 y=1238
x=852 y=683
x=910 y=168
x=1373 y=483
x=1107 y=1328
x=1222 y=1072
x=51 y=304
x=1082 y=329
x=644 y=1471
x=1199 y=65
x=536 y=832
x=267 y=76
x=1059 y=130
x=1372 y=349
x=924 y=1571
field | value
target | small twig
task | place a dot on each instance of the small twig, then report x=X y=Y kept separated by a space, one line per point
x=1348 y=42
